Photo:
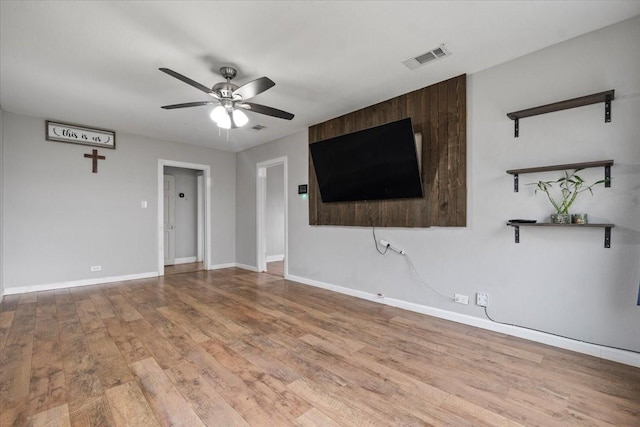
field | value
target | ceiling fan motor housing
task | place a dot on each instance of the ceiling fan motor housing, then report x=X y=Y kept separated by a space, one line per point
x=225 y=89
x=228 y=73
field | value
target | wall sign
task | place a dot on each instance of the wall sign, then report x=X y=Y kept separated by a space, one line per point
x=64 y=132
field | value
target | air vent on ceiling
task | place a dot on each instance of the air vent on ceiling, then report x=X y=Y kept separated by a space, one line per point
x=432 y=55
x=257 y=128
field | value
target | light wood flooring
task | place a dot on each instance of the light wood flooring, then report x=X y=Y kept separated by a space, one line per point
x=190 y=267
x=276 y=268
x=232 y=347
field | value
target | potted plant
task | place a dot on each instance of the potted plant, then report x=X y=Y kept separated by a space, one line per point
x=570 y=186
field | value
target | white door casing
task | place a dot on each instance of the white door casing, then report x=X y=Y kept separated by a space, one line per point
x=169 y=209
x=206 y=230
x=261 y=199
x=200 y=218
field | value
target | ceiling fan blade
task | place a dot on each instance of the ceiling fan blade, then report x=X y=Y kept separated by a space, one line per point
x=188 y=104
x=263 y=109
x=254 y=87
x=190 y=82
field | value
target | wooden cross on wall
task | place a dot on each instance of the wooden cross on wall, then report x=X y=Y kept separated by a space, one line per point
x=94 y=156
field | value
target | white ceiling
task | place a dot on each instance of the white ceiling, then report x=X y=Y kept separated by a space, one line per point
x=95 y=63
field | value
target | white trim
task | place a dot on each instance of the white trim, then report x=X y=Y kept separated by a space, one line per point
x=200 y=218
x=246 y=267
x=620 y=356
x=221 y=266
x=206 y=169
x=261 y=206
x=273 y=258
x=76 y=283
x=185 y=260
x=261 y=190
x=233 y=265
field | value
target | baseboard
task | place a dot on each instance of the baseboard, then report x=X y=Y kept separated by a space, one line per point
x=76 y=283
x=273 y=258
x=246 y=267
x=185 y=260
x=221 y=266
x=620 y=356
x=233 y=265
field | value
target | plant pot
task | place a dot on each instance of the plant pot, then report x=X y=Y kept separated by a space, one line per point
x=561 y=218
x=579 y=218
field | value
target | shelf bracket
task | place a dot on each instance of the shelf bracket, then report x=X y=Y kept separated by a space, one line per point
x=607 y=176
x=607 y=109
x=607 y=237
x=516 y=229
x=516 y=126
x=516 y=180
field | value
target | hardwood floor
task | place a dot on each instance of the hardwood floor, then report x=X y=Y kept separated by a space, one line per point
x=276 y=268
x=232 y=347
x=183 y=268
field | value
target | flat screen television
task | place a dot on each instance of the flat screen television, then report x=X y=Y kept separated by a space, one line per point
x=371 y=164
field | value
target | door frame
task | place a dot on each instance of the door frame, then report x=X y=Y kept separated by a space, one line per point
x=206 y=170
x=261 y=198
x=200 y=217
x=172 y=205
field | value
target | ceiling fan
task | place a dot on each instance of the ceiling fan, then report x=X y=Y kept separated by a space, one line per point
x=232 y=99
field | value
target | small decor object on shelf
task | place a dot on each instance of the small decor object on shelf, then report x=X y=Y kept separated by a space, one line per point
x=570 y=185
x=561 y=218
x=579 y=218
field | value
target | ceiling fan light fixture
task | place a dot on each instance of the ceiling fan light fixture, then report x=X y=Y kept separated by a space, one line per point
x=240 y=118
x=218 y=113
x=224 y=122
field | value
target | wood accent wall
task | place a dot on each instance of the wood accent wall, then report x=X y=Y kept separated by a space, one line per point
x=439 y=113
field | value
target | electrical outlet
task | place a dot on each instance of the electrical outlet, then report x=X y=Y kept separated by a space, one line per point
x=461 y=299
x=482 y=299
x=388 y=244
x=96 y=268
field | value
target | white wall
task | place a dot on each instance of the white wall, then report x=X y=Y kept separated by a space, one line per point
x=186 y=225
x=274 y=211
x=557 y=280
x=60 y=219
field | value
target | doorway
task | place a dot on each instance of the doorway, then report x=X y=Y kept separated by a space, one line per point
x=181 y=226
x=184 y=213
x=272 y=206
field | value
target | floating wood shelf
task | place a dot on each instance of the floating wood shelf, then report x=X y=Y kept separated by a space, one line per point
x=595 y=98
x=584 y=165
x=607 y=229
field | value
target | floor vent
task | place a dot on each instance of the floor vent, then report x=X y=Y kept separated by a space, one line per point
x=432 y=55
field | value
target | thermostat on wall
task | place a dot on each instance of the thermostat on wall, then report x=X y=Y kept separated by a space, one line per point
x=302 y=189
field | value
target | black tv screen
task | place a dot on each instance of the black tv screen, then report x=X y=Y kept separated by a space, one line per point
x=372 y=164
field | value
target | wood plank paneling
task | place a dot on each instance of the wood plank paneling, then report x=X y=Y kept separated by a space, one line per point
x=439 y=113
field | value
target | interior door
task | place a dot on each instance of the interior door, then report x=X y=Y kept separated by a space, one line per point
x=169 y=220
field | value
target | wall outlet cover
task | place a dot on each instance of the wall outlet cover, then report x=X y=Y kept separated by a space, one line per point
x=482 y=299
x=461 y=299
